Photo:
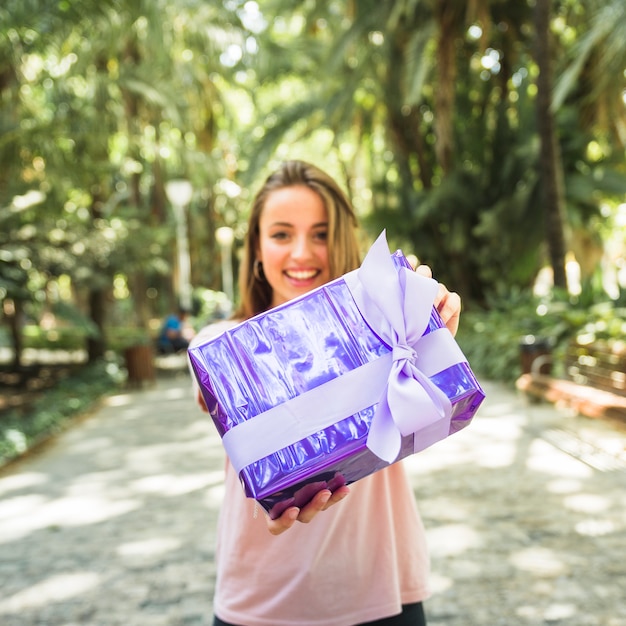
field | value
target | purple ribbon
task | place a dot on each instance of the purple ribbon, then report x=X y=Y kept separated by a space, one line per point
x=397 y=305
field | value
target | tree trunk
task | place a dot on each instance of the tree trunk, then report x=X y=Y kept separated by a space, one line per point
x=97 y=313
x=551 y=174
x=445 y=15
x=404 y=121
x=15 y=324
x=157 y=198
x=97 y=295
x=406 y=136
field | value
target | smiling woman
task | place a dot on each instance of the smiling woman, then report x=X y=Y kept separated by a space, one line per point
x=349 y=554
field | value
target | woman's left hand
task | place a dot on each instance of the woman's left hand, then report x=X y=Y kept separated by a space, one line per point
x=322 y=500
x=448 y=303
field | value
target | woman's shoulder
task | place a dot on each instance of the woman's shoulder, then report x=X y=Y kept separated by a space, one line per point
x=213 y=330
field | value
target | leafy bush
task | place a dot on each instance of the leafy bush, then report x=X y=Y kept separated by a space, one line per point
x=491 y=339
x=64 y=338
x=121 y=337
x=51 y=413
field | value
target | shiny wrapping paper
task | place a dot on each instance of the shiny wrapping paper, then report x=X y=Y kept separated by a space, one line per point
x=300 y=366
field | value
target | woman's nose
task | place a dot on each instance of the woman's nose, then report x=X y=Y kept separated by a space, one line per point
x=301 y=248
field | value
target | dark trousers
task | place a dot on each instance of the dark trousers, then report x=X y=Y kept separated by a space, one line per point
x=172 y=346
x=412 y=615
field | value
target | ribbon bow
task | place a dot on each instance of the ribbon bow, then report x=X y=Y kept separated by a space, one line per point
x=397 y=305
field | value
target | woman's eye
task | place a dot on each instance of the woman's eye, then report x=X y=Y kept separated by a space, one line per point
x=321 y=236
x=279 y=235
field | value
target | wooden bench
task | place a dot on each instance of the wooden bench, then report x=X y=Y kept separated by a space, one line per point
x=593 y=382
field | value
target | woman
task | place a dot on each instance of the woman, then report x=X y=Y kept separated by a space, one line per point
x=364 y=560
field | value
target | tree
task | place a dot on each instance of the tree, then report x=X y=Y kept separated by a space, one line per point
x=390 y=74
x=439 y=100
x=100 y=113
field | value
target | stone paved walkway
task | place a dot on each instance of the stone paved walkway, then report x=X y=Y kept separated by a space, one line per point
x=112 y=523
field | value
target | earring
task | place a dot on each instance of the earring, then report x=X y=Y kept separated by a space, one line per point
x=257 y=268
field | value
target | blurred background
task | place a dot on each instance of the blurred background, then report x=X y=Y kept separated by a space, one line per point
x=488 y=138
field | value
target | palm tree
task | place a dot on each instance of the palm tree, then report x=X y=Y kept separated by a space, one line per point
x=95 y=128
x=448 y=147
x=590 y=79
x=593 y=73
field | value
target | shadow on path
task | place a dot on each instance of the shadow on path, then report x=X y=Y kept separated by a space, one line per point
x=113 y=522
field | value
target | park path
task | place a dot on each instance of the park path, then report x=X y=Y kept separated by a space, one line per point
x=113 y=522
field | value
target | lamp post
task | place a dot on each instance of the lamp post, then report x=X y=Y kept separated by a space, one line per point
x=225 y=236
x=179 y=193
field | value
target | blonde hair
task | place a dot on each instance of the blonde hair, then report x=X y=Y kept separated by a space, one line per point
x=343 y=249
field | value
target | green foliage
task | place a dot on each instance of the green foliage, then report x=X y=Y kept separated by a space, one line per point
x=210 y=305
x=480 y=222
x=50 y=414
x=103 y=101
x=62 y=338
x=492 y=338
x=93 y=125
x=69 y=313
x=121 y=337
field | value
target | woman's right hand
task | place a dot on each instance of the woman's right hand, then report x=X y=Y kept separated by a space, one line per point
x=201 y=402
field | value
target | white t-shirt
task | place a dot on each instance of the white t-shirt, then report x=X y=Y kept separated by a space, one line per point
x=356 y=562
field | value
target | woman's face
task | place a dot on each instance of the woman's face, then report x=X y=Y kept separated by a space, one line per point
x=293 y=246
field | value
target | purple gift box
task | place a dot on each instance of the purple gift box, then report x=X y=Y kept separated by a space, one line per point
x=336 y=384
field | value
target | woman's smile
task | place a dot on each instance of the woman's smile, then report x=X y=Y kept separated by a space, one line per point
x=301 y=275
